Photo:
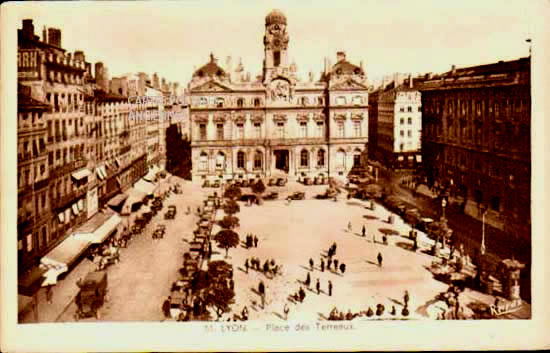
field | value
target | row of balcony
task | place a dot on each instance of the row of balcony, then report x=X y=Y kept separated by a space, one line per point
x=70 y=197
x=67 y=168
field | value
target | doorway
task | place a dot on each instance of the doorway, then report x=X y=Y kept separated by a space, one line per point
x=281 y=160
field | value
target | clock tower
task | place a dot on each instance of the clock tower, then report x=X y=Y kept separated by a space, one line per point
x=275 y=45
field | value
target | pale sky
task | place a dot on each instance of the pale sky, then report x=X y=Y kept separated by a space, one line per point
x=174 y=37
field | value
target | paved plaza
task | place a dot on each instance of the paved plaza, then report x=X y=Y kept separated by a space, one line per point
x=291 y=234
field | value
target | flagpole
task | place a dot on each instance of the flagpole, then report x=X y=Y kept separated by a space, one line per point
x=482 y=248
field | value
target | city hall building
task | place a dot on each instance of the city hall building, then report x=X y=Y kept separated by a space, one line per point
x=277 y=124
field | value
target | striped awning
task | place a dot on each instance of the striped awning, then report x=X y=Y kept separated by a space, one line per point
x=80 y=174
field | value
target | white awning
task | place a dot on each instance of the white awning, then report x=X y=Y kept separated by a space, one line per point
x=61 y=217
x=100 y=173
x=75 y=209
x=80 y=174
x=145 y=187
x=99 y=235
x=150 y=176
x=63 y=255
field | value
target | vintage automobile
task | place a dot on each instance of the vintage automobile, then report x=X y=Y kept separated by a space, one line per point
x=281 y=181
x=92 y=295
x=109 y=257
x=206 y=184
x=298 y=195
x=171 y=213
x=272 y=196
x=272 y=182
x=159 y=232
x=249 y=197
x=216 y=184
x=328 y=194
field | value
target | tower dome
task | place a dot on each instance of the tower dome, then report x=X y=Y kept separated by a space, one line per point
x=275 y=17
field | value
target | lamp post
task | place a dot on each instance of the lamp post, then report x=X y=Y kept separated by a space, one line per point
x=482 y=247
x=443 y=205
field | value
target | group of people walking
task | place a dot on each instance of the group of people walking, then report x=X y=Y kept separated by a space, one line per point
x=251 y=241
x=269 y=266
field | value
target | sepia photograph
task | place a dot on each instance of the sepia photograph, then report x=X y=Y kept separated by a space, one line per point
x=241 y=173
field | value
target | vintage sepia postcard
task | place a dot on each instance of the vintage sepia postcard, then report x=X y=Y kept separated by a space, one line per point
x=273 y=175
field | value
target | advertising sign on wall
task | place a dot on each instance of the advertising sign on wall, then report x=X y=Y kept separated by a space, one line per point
x=92 y=201
x=28 y=64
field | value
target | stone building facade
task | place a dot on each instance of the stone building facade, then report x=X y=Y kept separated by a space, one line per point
x=277 y=124
x=476 y=139
x=398 y=126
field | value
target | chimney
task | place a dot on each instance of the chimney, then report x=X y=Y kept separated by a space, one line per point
x=44 y=35
x=54 y=37
x=79 y=56
x=453 y=69
x=155 y=82
x=98 y=72
x=28 y=29
x=411 y=81
x=228 y=63
x=340 y=56
x=69 y=57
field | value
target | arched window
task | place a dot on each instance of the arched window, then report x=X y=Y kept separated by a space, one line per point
x=240 y=160
x=357 y=100
x=340 y=159
x=321 y=158
x=304 y=158
x=240 y=102
x=256 y=102
x=203 y=161
x=220 y=160
x=304 y=101
x=219 y=102
x=258 y=160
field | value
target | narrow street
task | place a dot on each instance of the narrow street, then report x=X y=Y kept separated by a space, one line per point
x=142 y=279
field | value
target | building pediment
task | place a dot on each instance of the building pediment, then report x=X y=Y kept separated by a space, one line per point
x=349 y=84
x=212 y=86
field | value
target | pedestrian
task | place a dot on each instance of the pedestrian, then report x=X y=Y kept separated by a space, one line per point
x=379 y=257
x=406 y=298
x=255 y=241
x=311 y=263
x=308 y=280
x=266 y=267
x=334 y=248
x=302 y=295
x=343 y=268
x=231 y=284
x=322 y=265
x=329 y=262
x=286 y=310
x=244 y=314
x=349 y=227
x=329 y=288
x=335 y=264
x=261 y=288
x=363 y=231
x=166 y=307
x=246 y=265
x=49 y=294
x=318 y=287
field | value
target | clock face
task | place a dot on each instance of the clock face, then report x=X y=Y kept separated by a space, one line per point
x=277 y=42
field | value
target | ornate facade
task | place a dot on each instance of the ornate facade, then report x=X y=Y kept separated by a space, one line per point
x=277 y=124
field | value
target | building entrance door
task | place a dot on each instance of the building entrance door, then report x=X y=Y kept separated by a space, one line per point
x=281 y=160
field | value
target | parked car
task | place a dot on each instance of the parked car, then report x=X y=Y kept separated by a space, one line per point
x=281 y=181
x=171 y=213
x=298 y=195
x=206 y=184
x=272 y=196
x=272 y=182
x=328 y=194
x=91 y=296
x=251 y=197
x=216 y=184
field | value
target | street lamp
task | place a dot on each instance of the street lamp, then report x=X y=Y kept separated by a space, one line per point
x=482 y=247
x=443 y=205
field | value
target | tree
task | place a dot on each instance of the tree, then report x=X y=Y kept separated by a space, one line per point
x=258 y=187
x=233 y=192
x=227 y=239
x=231 y=207
x=178 y=153
x=219 y=270
x=219 y=297
x=229 y=222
